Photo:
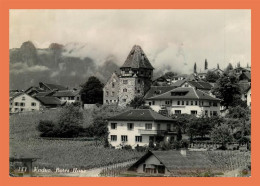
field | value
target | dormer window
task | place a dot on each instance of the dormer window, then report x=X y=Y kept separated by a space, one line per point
x=183 y=93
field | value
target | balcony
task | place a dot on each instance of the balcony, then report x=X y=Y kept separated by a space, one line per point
x=151 y=132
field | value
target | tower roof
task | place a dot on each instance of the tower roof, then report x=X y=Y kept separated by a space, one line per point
x=137 y=59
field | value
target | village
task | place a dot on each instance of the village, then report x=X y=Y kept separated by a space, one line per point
x=196 y=124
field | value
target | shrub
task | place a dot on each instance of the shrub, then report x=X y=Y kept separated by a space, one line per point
x=46 y=127
x=127 y=147
x=184 y=144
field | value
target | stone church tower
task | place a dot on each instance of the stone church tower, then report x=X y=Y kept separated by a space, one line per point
x=136 y=76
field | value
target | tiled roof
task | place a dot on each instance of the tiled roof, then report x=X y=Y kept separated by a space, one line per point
x=190 y=93
x=137 y=59
x=201 y=84
x=156 y=90
x=43 y=94
x=65 y=93
x=48 y=100
x=13 y=95
x=18 y=153
x=54 y=86
x=140 y=115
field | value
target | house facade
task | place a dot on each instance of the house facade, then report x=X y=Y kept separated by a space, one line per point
x=22 y=102
x=111 y=90
x=139 y=127
x=68 y=96
x=185 y=100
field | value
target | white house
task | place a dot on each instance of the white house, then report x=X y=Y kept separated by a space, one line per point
x=68 y=96
x=139 y=127
x=22 y=102
x=185 y=100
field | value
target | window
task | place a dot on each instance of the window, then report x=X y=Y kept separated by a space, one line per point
x=148 y=126
x=177 y=111
x=153 y=102
x=139 y=81
x=215 y=104
x=77 y=98
x=124 y=100
x=182 y=102
x=33 y=104
x=168 y=127
x=107 y=93
x=130 y=126
x=206 y=113
x=111 y=101
x=22 y=104
x=196 y=102
x=158 y=126
x=211 y=113
x=138 y=138
x=150 y=103
x=178 y=102
x=71 y=98
x=113 y=137
x=191 y=102
x=33 y=109
x=167 y=102
x=187 y=102
x=124 y=90
x=138 y=91
x=107 y=101
x=22 y=109
x=16 y=109
x=209 y=103
x=23 y=98
x=16 y=104
x=112 y=94
x=215 y=113
x=193 y=112
x=113 y=125
x=125 y=81
x=113 y=85
x=202 y=103
x=124 y=138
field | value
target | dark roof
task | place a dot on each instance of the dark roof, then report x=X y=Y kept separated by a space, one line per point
x=140 y=115
x=244 y=86
x=43 y=94
x=178 y=83
x=65 y=93
x=13 y=95
x=156 y=90
x=19 y=153
x=191 y=93
x=201 y=84
x=174 y=160
x=137 y=59
x=54 y=86
x=246 y=74
x=48 y=100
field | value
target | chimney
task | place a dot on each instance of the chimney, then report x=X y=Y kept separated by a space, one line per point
x=183 y=152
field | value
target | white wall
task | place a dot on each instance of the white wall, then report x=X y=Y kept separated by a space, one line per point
x=123 y=130
x=185 y=109
x=248 y=98
x=27 y=101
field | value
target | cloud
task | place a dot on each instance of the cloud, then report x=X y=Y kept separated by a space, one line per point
x=20 y=68
x=170 y=38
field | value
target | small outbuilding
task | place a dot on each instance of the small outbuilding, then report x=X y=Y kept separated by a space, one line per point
x=172 y=163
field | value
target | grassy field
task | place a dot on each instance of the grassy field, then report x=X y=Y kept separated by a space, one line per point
x=62 y=153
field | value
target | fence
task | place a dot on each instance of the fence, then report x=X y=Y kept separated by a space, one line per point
x=116 y=169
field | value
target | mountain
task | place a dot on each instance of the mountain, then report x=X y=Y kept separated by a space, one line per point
x=30 y=65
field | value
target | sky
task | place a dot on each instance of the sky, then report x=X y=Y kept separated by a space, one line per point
x=171 y=39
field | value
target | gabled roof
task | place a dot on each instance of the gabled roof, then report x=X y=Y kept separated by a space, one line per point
x=43 y=94
x=137 y=59
x=20 y=153
x=246 y=74
x=140 y=115
x=156 y=90
x=190 y=93
x=200 y=84
x=174 y=160
x=65 y=93
x=54 y=86
x=13 y=95
x=48 y=100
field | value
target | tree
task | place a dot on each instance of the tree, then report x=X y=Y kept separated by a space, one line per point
x=217 y=66
x=179 y=134
x=183 y=120
x=238 y=64
x=70 y=121
x=92 y=91
x=212 y=77
x=222 y=135
x=137 y=102
x=229 y=68
x=195 y=68
x=206 y=64
x=227 y=89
